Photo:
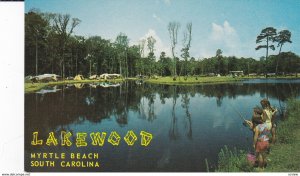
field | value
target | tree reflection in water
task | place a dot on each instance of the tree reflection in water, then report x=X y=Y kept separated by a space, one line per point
x=173 y=132
x=185 y=104
x=74 y=104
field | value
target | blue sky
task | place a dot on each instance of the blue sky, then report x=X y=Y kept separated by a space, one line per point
x=231 y=25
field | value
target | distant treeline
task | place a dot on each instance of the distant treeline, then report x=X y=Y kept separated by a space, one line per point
x=51 y=47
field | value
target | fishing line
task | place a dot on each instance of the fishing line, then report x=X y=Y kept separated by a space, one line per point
x=240 y=116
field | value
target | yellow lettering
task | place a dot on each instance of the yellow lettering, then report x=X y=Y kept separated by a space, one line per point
x=35 y=140
x=146 y=138
x=114 y=138
x=65 y=138
x=130 y=137
x=72 y=155
x=62 y=164
x=97 y=139
x=96 y=155
x=51 y=139
x=80 y=140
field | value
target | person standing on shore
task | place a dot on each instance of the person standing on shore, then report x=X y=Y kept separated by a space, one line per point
x=261 y=142
x=269 y=114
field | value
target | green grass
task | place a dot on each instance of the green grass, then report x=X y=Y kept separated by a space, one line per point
x=29 y=87
x=270 y=77
x=233 y=161
x=284 y=155
x=192 y=80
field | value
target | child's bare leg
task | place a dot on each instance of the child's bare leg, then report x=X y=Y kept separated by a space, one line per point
x=260 y=160
x=273 y=132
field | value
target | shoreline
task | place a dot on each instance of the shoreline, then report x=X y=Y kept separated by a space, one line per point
x=192 y=80
x=31 y=87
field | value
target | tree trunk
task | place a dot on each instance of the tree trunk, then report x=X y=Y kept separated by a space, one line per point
x=71 y=69
x=126 y=63
x=63 y=69
x=278 y=59
x=266 y=57
x=174 y=60
x=63 y=62
x=52 y=60
x=36 y=56
x=120 y=65
x=90 y=67
x=76 y=62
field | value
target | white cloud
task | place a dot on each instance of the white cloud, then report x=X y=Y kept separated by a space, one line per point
x=224 y=37
x=217 y=32
x=225 y=34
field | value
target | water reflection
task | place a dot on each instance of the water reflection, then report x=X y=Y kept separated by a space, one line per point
x=48 y=90
x=190 y=123
x=173 y=132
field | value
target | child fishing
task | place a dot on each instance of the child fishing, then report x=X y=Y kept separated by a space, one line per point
x=262 y=124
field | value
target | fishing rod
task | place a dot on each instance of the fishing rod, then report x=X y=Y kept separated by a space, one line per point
x=245 y=122
x=240 y=115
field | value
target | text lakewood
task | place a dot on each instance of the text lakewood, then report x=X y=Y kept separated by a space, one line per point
x=97 y=138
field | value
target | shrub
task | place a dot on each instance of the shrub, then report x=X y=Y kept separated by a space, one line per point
x=233 y=161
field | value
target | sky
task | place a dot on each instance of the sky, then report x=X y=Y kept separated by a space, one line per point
x=229 y=25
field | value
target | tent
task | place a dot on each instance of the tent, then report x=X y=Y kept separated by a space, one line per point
x=110 y=76
x=94 y=77
x=78 y=78
x=45 y=78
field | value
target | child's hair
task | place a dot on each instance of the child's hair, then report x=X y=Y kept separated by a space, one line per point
x=258 y=110
x=265 y=103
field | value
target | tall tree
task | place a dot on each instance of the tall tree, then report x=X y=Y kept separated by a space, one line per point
x=173 y=31
x=142 y=43
x=64 y=29
x=150 y=44
x=267 y=35
x=140 y=63
x=283 y=37
x=219 y=59
x=80 y=50
x=35 y=34
x=187 y=38
x=122 y=42
x=98 y=48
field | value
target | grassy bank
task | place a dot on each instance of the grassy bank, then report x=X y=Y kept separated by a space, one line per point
x=271 y=77
x=192 y=80
x=29 y=87
x=284 y=155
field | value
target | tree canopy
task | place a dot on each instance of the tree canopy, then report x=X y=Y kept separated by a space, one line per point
x=52 y=47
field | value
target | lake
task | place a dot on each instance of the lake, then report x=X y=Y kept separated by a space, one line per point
x=189 y=123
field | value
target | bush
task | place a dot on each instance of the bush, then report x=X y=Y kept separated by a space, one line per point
x=233 y=161
x=285 y=133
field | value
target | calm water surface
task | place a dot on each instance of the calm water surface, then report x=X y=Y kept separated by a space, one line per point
x=189 y=123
